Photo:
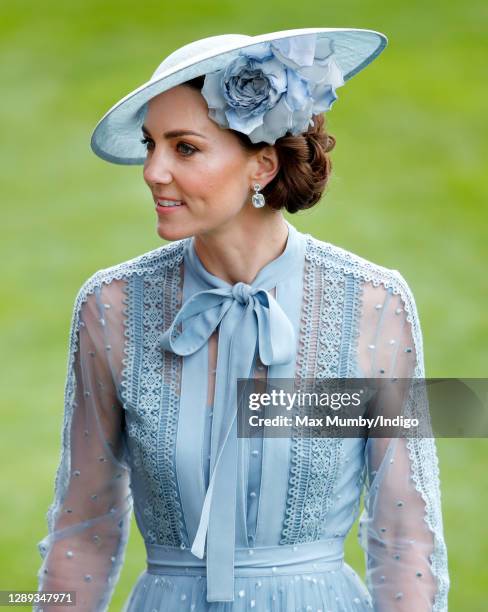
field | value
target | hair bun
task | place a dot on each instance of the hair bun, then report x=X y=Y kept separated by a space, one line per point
x=305 y=167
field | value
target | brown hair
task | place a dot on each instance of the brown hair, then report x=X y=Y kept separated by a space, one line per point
x=305 y=165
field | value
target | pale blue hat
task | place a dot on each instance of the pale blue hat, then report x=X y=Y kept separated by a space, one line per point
x=264 y=86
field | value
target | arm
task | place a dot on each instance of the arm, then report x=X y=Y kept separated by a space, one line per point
x=89 y=517
x=401 y=528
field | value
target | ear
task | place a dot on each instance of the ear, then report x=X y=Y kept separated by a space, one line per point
x=265 y=165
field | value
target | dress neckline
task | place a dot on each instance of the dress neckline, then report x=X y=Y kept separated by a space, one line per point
x=285 y=264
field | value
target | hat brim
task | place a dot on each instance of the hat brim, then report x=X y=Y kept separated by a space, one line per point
x=117 y=136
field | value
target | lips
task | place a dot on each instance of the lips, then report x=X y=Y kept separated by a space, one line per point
x=157 y=199
x=169 y=209
x=170 y=203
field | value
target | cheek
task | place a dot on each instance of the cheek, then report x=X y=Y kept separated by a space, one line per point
x=224 y=176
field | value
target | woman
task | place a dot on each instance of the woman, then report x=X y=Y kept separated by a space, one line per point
x=230 y=132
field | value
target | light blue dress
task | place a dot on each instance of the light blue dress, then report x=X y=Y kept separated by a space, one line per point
x=232 y=524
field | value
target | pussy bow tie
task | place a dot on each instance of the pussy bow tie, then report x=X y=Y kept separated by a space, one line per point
x=250 y=318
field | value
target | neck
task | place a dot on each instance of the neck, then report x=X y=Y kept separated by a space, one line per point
x=237 y=253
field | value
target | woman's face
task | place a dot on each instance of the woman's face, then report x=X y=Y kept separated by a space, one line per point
x=192 y=160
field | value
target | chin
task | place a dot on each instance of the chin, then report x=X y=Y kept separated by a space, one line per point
x=166 y=232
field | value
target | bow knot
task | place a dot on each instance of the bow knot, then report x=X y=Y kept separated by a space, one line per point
x=204 y=311
x=251 y=323
x=242 y=292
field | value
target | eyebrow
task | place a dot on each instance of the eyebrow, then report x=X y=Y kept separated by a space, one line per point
x=175 y=133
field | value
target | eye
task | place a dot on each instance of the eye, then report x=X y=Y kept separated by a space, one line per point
x=147 y=141
x=189 y=149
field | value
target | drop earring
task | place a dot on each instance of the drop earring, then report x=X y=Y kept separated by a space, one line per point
x=258 y=200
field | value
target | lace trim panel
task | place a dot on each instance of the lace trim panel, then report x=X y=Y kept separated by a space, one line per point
x=152 y=381
x=138 y=265
x=422 y=452
x=315 y=461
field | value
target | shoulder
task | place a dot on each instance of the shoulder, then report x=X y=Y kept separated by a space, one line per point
x=378 y=285
x=376 y=280
x=150 y=262
x=341 y=261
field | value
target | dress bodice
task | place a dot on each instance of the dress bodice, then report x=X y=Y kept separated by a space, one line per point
x=149 y=427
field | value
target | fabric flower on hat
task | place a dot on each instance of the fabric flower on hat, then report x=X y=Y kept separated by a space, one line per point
x=273 y=88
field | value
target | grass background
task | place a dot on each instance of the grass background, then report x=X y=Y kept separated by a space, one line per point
x=409 y=192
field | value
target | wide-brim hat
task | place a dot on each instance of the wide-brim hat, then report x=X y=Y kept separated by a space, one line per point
x=117 y=136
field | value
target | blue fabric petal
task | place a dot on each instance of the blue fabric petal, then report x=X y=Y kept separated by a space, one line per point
x=297 y=91
x=268 y=90
x=277 y=122
x=245 y=124
x=296 y=50
x=212 y=89
x=324 y=96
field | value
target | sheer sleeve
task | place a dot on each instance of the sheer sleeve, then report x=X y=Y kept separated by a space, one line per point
x=400 y=528
x=89 y=518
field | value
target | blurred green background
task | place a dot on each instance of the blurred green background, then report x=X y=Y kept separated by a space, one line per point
x=409 y=192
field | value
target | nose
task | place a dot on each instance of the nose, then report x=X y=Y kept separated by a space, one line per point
x=157 y=169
